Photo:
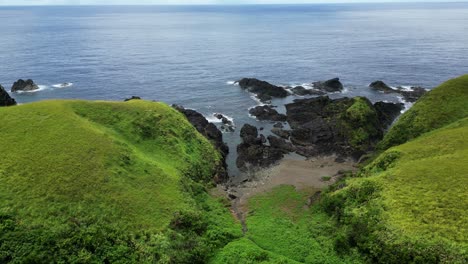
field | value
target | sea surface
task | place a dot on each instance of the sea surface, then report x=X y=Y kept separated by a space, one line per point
x=191 y=55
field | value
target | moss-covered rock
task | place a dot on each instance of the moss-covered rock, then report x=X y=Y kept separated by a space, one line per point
x=346 y=126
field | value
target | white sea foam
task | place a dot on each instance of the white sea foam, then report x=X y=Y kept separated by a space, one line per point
x=407 y=104
x=232 y=83
x=62 y=85
x=259 y=102
x=213 y=119
x=41 y=88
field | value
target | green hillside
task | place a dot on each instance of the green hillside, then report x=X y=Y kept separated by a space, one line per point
x=409 y=205
x=103 y=181
x=441 y=106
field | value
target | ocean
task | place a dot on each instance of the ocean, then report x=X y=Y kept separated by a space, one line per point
x=191 y=55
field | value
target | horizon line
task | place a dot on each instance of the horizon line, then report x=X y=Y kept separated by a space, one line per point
x=248 y=4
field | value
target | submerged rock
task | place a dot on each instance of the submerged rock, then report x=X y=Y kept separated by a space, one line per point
x=330 y=86
x=212 y=133
x=227 y=125
x=22 y=85
x=410 y=95
x=266 y=112
x=5 y=98
x=301 y=91
x=265 y=91
x=132 y=98
x=381 y=86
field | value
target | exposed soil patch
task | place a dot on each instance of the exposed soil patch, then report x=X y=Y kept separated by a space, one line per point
x=302 y=174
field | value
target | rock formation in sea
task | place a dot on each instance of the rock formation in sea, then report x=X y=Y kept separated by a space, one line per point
x=266 y=112
x=410 y=95
x=330 y=86
x=301 y=91
x=22 y=85
x=5 y=98
x=132 y=98
x=264 y=91
x=227 y=124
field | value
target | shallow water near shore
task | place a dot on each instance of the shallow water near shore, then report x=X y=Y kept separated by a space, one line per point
x=191 y=55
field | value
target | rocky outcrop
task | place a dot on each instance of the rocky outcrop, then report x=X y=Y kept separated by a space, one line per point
x=281 y=144
x=227 y=124
x=281 y=132
x=5 y=98
x=252 y=153
x=381 y=86
x=330 y=86
x=410 y=95
x=301 y=91
x=413 y=94
x=22 y=85
x=211 y=132
x=388 y=112
x=265 y=91
x=267 y=112
x=348 y=127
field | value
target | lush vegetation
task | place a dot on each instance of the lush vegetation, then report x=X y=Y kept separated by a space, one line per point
x=409 y=205
x=361 y=124
x=283 y=229
x=110 y=182
x=103 y=182
x=440 y=107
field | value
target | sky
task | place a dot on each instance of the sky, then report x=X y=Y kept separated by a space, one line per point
x=177 y=2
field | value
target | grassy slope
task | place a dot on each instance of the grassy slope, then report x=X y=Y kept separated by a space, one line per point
x=282 y=229
x=75 y=172
x=411 y=205
x=442 y=106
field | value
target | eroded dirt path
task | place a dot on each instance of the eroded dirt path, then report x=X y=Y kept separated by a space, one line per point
x=302 y=174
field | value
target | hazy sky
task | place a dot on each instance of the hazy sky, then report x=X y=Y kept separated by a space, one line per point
x=162 y=2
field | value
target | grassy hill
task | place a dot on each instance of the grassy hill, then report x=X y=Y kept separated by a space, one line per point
x=103 y=181
x=443 y=105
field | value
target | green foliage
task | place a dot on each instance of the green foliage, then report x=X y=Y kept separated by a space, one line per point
x=440 y=107
x=245 y=251
x=84 y=182
x=281 y=224
x=411 y=206
x=358 y=122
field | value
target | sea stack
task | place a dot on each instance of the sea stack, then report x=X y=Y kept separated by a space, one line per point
x=25 y=86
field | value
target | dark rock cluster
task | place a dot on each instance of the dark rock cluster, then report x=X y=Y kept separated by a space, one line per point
x=5 y=98
x=227 y=126
x=266 y=112
x=212 y=133
x=411 y=95
x=264 y=91
x=253 y=152
x=22 y=85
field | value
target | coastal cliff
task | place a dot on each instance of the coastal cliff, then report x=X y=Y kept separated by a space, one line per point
x=103 y=182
